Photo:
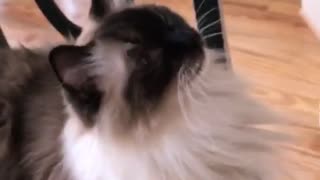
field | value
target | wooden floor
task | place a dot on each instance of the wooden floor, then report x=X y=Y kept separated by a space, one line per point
x=269 y=43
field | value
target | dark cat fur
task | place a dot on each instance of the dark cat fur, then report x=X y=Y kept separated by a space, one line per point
x=22 y=74
x=16 y=69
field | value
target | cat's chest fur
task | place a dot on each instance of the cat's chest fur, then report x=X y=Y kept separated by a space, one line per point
x=89 y=157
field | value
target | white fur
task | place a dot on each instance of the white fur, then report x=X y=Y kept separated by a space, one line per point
x=90 y=157
x=84 y=154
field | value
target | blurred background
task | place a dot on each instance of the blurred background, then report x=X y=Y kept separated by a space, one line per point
x=269 y=43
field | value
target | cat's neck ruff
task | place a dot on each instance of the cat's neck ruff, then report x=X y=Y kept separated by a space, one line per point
x=90 y=154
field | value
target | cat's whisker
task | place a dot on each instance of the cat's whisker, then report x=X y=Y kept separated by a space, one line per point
x=205 y=37
x=200 y=6
x=201 y=18
x=208 y=26
x=194 y=93
x=189 y=93
x=189 y=83
x=185 y=89
x=180 y=94
x=195 y=74
x=199 y=89
x=190 y=87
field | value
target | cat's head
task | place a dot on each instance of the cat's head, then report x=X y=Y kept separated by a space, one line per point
x=129 y=65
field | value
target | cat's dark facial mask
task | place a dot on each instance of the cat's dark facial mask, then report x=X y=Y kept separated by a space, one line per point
x=135 y=55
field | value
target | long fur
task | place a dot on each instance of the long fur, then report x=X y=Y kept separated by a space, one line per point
x=207 y=128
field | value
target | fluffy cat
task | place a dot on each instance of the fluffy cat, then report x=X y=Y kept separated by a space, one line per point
x=141 y=99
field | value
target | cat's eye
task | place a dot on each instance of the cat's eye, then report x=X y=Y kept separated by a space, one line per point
x=129 y=51
x=130 y=40
x=138 y=56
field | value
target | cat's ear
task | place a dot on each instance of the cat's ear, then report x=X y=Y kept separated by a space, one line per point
x=71 y=65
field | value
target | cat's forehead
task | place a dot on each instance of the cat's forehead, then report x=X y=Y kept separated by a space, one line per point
x=149 y=24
